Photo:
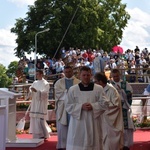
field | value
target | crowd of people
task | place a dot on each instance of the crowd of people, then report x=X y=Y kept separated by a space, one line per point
x=131 y=62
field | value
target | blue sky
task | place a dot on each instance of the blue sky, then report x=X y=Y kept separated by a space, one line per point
x=136 y=33
x=11 y=10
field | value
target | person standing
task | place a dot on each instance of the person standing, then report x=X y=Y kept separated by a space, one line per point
x=85 y=103
x=31 y=73
x=145 y=104
x=61 y=87
x=147 y=90
x=39 y=91
x=112 y=118
x=125 y=91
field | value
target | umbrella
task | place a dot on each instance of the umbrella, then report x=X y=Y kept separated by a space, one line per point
x=117 y=49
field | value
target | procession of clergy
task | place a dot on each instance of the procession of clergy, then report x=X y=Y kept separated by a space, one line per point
x=92 y=113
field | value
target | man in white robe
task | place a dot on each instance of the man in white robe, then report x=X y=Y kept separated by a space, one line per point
x=99 y=64
x=96 y=64
x=39 y=92
x=85 y=104
x=61 y=88
x=146 y=104
x=125 y=91
x=112 y=118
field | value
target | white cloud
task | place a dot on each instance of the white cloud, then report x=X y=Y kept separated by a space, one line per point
x=7 y=38
x=21 y=3
x=7 y=45
x=137 y=32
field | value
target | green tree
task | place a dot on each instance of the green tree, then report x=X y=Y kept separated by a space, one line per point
x=12 y=68
x=5 y=81
x=93 y=24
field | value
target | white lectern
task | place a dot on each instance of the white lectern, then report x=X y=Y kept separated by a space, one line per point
x=2 y=127
x=8 y=98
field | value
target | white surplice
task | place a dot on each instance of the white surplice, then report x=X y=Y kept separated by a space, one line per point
x=38 y=112
x=112 y=121
x=85 y=131
x=61 y=114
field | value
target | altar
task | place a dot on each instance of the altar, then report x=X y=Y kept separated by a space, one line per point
x=8 y=99
x=3 y=127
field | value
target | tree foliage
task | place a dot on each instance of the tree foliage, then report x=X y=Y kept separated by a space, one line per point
x=12 y=68
x=5 y=81
x=96 y=23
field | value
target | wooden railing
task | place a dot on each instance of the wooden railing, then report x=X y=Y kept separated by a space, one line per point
x=138 y=76
x=125 y=74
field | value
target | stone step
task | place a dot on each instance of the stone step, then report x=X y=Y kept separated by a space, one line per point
x=25 y=143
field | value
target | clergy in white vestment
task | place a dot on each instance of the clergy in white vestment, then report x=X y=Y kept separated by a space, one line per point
x=125 y=91
x=112 y=124
x=86 y=103
x=96 y=64
x=39 y=92
x=62 y=118
x=99 y=64
x=146 y=107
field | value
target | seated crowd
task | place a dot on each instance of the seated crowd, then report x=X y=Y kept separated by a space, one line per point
x=130 y=63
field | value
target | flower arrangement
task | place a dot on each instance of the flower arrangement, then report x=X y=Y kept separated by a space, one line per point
x=26 y=130
x=141 y=121
x=51 y=105
x=22 y=131
x=24 y=106
x=53 y=127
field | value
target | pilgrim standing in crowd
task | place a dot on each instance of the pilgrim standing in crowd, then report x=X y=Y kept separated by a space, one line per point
x=146 y=103
x=86 y=103
x=39 y=91
x=125 y=91
x=62 y=118
x=147 y=90
x=112 y=118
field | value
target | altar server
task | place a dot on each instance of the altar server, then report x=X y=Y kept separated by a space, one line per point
x=39 y=91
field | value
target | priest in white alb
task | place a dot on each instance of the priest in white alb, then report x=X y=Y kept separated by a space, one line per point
x=85 y=104
x=125 y=91
x=62 y=118
x=112 y=118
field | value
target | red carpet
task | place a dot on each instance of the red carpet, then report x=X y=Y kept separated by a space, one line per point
x=141 y=141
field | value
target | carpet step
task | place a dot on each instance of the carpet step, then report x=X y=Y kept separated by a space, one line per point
x=25 y=143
